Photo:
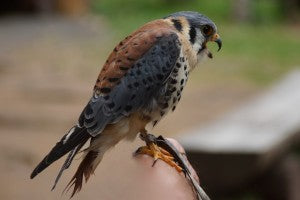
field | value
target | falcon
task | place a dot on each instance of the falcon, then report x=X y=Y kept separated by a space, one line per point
x=140 y=82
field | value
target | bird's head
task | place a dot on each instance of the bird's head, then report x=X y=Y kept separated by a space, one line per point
x=199 y=30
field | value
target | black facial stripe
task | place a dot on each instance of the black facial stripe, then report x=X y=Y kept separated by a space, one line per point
x=177 y=24
x=192 y=33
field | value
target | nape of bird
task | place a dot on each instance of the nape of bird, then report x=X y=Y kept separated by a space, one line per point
x=140 y=82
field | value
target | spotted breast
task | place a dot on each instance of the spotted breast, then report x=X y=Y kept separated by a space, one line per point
x=171 y=93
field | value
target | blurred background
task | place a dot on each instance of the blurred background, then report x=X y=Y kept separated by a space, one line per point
x=51 y=52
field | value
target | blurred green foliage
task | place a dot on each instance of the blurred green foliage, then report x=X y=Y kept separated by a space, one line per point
x=257 y=52
x=127 y=15
x=267 y=11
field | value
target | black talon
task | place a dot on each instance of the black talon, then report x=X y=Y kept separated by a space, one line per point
x=137 y=151
x=154 y=162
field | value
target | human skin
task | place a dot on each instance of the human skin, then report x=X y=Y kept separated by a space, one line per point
x=161 y=181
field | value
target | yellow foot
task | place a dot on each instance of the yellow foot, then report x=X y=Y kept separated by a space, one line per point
x=159 y=153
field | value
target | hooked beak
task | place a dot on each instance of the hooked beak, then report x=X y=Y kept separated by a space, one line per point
x=216 y=38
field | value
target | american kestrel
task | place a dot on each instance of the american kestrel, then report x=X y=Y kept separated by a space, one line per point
x=140 y=82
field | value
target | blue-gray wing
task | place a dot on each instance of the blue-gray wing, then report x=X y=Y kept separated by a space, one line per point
x=136 y=89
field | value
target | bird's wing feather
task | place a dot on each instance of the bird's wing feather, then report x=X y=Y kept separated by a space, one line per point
x=128 y=51
x=137 y=86
x=134 y=73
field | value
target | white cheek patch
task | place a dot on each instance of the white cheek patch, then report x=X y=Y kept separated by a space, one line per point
x=198 y=41
x=203 y=56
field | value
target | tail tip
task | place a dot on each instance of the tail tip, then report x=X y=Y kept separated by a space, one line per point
x=33 y=174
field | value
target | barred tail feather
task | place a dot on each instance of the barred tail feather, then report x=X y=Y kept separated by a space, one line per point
x=77 y=136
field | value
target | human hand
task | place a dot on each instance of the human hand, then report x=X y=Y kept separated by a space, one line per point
x=162 y=181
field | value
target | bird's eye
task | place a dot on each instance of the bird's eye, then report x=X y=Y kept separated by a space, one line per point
x=207 y=30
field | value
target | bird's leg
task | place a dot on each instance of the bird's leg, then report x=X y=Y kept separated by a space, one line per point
x=155 y=151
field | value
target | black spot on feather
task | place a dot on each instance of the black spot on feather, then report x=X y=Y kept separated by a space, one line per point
x=132 y=97
x=113 y=79
x=89 y=120
x=105 y=90
x=174 y=107
x=88 y=110
x=124 y=68
x=173 y=89
x=159 y=76
x=111 y=105
x=174 y=99
x=173 y=81
x=182 y=81
x=177 y=24
x=130 y=59
x=165 y=105
x=128 y=108
x=192 y=33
